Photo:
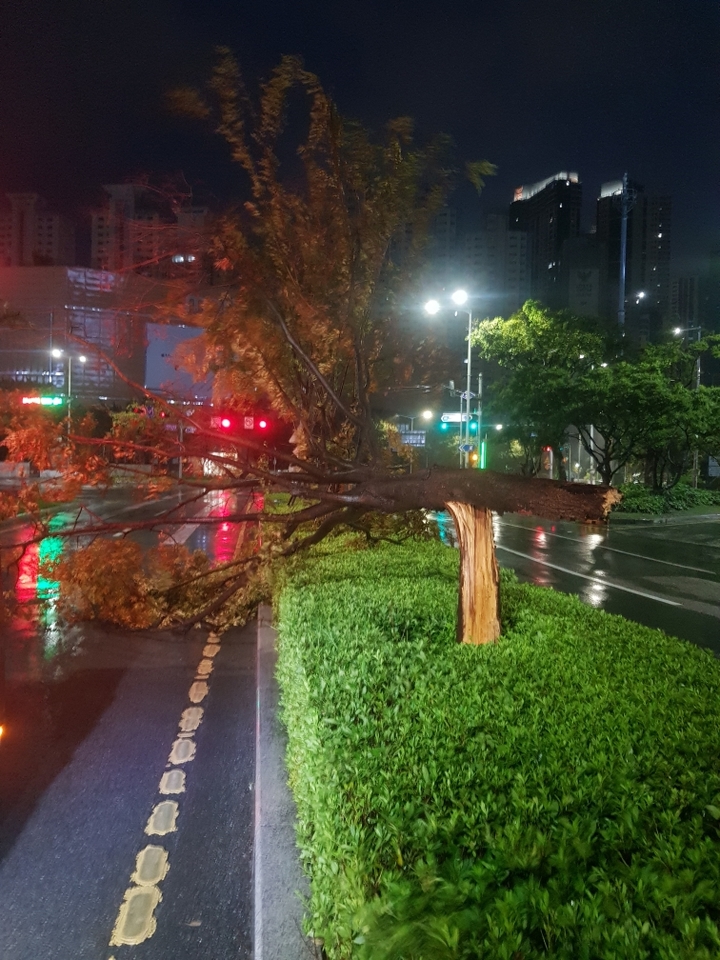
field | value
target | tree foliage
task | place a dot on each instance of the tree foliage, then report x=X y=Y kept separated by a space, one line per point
x=313 y=271
x=305 y=310
x=542 y=355
x=627 y=404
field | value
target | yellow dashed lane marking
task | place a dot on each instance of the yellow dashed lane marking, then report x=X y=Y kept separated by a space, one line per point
x=173 y=781
x=151 y=866
x=182 y=751
x=198 y=691
x=205 y=668
x=190 y=719
x=136 y=921
x=163 y=819
x=136 y=918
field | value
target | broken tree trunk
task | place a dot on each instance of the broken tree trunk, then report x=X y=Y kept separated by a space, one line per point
x=502 y=493
x=479 y=596
x=470 y=495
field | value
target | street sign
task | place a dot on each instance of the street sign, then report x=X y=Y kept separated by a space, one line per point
x=249 y=423
x=466 y=447
x=413 y=438
x=454 y=417
x=464 y=395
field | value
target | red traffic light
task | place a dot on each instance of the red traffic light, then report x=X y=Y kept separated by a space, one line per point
x=225 y=422
x=262 y=424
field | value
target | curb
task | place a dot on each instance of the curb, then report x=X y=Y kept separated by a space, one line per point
x=676 y=518
x=280 y=885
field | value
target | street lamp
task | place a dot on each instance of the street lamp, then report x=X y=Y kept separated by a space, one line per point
x=425 y=415
x=459 y=298
x=57 y=353
x=678 y=331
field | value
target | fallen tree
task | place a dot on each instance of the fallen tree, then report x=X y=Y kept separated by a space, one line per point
x=307 y=309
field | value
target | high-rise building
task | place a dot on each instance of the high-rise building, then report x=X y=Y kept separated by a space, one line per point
x=495 y=265
x=685 y=301
x=138 y=229
x=648 y=255
x=583 y=285
x=32 y=235
x=443 y=244
x=98 y=315
x=709 y=294
x=549 y=212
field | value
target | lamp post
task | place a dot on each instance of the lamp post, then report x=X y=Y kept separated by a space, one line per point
x=459 y=298
x=678 y=331
x=425 y=415
x=68 y=385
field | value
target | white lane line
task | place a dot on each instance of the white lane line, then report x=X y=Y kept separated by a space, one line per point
x=180 y=535
x=604 y=583
x=601 y=546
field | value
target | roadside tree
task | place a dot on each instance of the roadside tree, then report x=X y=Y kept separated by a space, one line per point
x=310 y=313
x=542 y=355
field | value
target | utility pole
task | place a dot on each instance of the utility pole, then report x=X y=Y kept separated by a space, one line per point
x=627 y=202
x=479 y=425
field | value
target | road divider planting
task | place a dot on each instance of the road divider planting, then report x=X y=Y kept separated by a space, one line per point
x=554 y=794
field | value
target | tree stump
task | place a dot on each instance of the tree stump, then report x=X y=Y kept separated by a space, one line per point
x=479 y=596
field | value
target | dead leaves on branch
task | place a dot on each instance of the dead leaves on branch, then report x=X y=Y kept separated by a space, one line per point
x=119 y=582
x=311 y=304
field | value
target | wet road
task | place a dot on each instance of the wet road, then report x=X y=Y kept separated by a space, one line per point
x=664 y=575
x=92 y=718
x=144 y=796
x=34 y=640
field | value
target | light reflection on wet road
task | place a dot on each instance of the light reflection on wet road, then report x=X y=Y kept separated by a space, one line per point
x=48 y=664
x=34 y=638
x=662 y=575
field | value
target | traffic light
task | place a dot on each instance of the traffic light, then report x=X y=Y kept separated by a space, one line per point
x=221 y=422
x=239 y=422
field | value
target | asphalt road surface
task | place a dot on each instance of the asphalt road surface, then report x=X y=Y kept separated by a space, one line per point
x=105 y=732
x=141 y=793
x=665 y=575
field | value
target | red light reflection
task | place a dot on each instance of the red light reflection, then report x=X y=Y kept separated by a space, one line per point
x=26 y=587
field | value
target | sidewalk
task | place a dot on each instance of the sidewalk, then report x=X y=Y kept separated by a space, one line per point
x=280 y=886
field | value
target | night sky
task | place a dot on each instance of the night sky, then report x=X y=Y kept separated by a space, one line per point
x=535 y=87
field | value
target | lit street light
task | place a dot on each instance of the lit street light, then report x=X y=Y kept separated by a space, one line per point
x=425 y=415
x=459 y=298
x=57 y=353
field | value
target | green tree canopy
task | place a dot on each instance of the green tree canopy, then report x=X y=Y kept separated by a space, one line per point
x=627 y=404
x=542 y=354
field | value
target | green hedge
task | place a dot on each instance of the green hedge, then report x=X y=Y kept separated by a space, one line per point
x=640 y=499
x=556 y=794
